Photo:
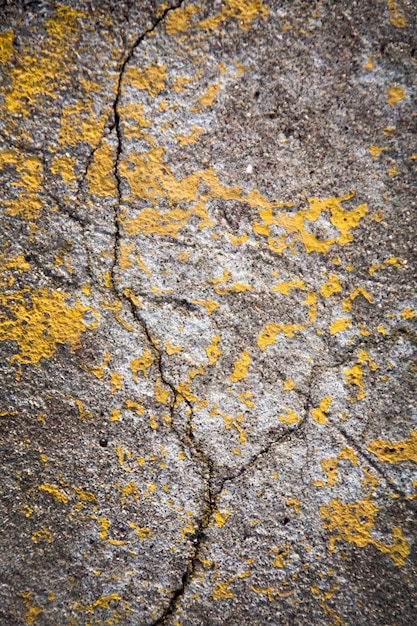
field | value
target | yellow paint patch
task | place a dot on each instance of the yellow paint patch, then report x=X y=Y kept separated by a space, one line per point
x=43 y=534
x=353 y=523
x=220 y=518
x=132 y=405
x=142 y=533
x=59 y=496
x=237 y=287
x=185 y=140
x=244 y=11
x=290 y=418
x=395 y=95
x=6 y=46
x=285 y=287
x=150 y=79
x=63 y=166
x=396 y=18
x=221 y=590
x=339 y=325
x=27 y=204
x=319 y=414
x=375 y=151
x=142 y=364
x=115 y=382
x=209 y=95
x=295 y=225
x=100 y=176
x=331 y=286
x=407 y=314
x=396 y=451
x=49 y=321
x=288 y=385
x=347 y=302
x=209 y=305
x=268 y=336
x=212 y=351
x=240 y=367
x=32 y=612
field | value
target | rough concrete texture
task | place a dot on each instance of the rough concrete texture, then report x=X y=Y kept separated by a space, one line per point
x=207 y=318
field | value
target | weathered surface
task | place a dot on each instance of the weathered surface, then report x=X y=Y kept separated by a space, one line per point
x=208 y=312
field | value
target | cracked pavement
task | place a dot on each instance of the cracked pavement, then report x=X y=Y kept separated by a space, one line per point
x=208 y=309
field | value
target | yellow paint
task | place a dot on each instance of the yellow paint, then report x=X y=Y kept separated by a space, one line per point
x=294 y=503
x=347 y=302
x=129 y=490
x=32 y=611
x=370 y=64
x=44 y=534
x=353 y=523
x=394 y=95
x=374 y=268
x=285 y=287
x=397 y=451
x=161 y=393
x=151 y=78
x=49 y=321
x=35 y=78
x=220 y=518
x=237 y=287
x=221 y=590
x=170 y=349
x=142 y=364
x=152 y=422
x=82 y=413
x=98 y=372
x=6 y=46
x=142 y=533
x=396 y=18
x=209 y=305
x=280 y=554
x=63 y=166
x=240 y=367
x=212 y=351
x=104 y=525
x=101 y=180
x=86 y=496
x=290 y=418
x=268 y=336
x=331 y=286
x=132 y=405
x=59 y=496
x=245 y=398
x=209 y=95
x=114 y=415
x=288 y=385
x=243 y=11
x=375 y=152
x=339 y=325
x=395 y=261
x=295 y=225
x=407 y=314
x=319 y=414
x=185 y=140
x=101 y=603
x=115 y=382
x=238 y=241
x=393 y=171
x=27 y=204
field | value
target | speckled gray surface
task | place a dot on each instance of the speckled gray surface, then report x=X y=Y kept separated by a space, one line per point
x=207 y=325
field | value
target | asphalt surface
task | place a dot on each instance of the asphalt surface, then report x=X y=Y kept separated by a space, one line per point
x=208 y=313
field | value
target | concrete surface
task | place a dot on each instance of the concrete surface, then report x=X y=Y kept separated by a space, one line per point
x=208 y=312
